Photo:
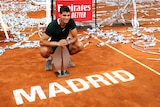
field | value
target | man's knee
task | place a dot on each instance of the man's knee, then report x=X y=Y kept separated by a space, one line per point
x=75 y=48
x=44 y=52
x=80 y=46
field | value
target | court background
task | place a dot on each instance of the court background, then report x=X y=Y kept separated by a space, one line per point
x=24 y=68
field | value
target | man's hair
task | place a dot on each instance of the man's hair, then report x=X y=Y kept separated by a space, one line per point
x=64 y=9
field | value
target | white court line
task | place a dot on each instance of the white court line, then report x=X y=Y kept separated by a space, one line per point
x=158 y=73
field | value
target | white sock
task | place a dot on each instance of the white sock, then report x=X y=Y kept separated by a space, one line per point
x=49 y=58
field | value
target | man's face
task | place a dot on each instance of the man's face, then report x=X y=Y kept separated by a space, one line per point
x=65 y=16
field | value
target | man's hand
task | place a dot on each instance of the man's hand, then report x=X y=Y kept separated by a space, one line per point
x=63 y=43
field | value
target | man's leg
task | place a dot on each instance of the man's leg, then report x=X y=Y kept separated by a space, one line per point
x=70 y=64
x=76 y=47
x=46 y=53
x=73 y=49
x=48 y=66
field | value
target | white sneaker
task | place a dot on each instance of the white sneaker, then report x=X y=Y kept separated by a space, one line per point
x=71 y=64
x=48 y=66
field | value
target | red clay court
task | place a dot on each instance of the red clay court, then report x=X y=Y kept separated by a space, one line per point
x=112 y=75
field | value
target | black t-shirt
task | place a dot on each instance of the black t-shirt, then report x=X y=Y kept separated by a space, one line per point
x=57 y=33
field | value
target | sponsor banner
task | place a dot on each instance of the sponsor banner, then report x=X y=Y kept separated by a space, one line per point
x=81 y=10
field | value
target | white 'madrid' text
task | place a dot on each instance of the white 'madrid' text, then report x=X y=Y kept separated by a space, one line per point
x=55 y=88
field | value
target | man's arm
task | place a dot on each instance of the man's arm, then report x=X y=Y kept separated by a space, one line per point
x=73 y=33
x=44 y=41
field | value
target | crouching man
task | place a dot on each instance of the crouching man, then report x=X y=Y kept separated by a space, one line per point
x=56 y=35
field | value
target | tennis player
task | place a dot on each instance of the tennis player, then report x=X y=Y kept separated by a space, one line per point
x=56 y=34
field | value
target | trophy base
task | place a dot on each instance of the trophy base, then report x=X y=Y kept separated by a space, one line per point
x=62 y=74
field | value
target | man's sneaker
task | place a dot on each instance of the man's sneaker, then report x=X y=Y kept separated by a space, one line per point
x=48 y=66
x=71 y=64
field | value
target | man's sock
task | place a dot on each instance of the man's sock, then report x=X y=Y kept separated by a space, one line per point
x=49 y=58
